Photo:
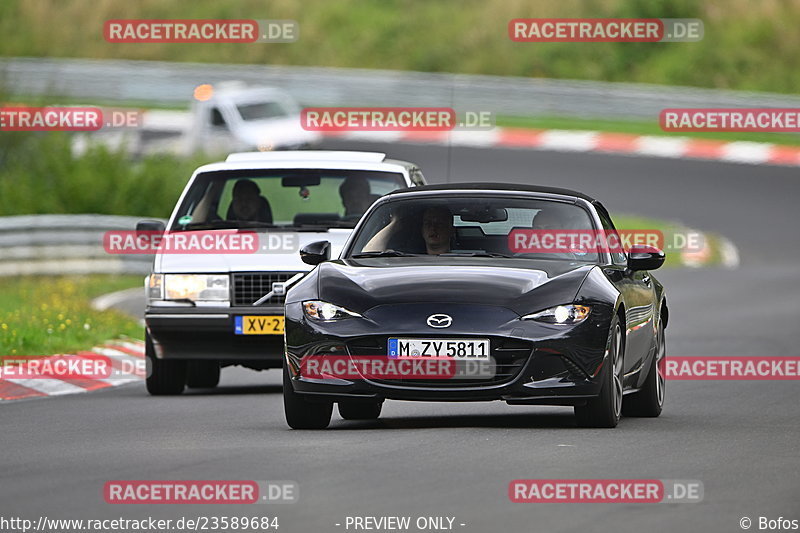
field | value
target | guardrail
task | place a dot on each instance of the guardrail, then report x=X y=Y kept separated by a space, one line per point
x=65 y=244
x=166 y=83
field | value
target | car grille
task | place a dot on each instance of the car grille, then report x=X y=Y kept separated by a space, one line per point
x=510 y=356
x=249 y=287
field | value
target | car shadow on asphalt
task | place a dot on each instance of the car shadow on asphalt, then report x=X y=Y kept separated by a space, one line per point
x=510 y=421
x=233 y=390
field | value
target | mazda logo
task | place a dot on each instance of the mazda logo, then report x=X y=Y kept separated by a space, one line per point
x=440 y=321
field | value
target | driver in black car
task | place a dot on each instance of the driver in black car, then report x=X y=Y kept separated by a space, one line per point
x=437 y=230
x=407 y=233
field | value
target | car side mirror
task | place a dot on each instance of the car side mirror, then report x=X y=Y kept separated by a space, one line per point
x=316 y=252
x=149 y=226
x=644 y=258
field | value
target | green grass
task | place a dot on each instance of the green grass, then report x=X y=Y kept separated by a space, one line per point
x=643 y=127
x=747 y=45
x=40 y=174
x=49 y=315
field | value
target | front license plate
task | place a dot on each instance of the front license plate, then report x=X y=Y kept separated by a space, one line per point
x=471 y=349
x=259 y=325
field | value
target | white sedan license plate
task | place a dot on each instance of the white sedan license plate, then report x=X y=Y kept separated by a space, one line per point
x=466 y=349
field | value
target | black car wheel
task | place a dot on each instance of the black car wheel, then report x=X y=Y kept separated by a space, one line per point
x=301 y=413
x=360 y=410
x=164 y=377
x=202 y=374
x=605 y=410
x=649 y=401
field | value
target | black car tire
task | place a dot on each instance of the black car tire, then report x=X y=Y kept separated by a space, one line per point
x=301 y=413
x=165 y=377
x=605 y=410
x=360 y=410
x=202 y=374
x=649 y=401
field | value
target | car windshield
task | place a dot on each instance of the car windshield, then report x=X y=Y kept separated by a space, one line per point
x=477 y=226
x=261 y=111
x=316 y=198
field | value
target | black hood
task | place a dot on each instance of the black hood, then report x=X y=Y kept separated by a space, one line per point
x=517 y=284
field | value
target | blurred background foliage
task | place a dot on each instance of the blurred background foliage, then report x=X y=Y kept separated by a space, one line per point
x=40 y=174
x=749 y=45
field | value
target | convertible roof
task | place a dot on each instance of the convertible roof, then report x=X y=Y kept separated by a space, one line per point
x=497 y=187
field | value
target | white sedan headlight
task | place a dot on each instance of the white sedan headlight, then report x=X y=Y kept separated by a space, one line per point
x=194 y=287
x=561 y=314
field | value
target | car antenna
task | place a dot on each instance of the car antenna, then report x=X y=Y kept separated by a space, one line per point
x=450 y=132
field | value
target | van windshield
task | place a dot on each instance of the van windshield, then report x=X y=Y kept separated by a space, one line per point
x=261 y=111
x=282 y=198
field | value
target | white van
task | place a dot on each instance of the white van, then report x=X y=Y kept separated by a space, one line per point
x=209 y=310
x=236 y=118
x=228 y=117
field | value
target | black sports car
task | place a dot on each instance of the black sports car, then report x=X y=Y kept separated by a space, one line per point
x=471 y=292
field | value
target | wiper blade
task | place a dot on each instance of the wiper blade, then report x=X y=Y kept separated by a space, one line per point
x=215 y=224
x=224 y=224
x=324 y=225
x=383 y=253
x=307 y=227
x=475 y=254
x=252 y=224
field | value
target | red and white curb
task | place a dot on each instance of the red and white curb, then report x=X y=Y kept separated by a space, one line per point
x=593 y=141
x=123 y=354
x=727 y=254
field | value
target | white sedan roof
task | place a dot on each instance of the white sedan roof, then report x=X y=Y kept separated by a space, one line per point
x=330 y=159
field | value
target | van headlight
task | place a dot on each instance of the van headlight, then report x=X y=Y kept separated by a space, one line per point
x=194 y=287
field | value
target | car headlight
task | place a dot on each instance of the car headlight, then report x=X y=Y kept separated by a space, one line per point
x=561 y=314
x=154 y=287
x=318 y=310
x=194 y=287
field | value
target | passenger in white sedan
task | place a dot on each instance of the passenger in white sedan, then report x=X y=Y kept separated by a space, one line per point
x=356 y=196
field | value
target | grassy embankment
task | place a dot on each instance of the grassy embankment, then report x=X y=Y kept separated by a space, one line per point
x=747 y=45
x=47 y=315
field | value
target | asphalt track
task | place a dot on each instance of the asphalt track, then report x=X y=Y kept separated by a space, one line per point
x=425 y=459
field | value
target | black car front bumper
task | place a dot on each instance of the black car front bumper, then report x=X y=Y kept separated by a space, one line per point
x=536 y=363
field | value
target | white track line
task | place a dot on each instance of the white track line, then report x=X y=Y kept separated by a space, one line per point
x=50 y=387
x=568 y=141
x=747 y=152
